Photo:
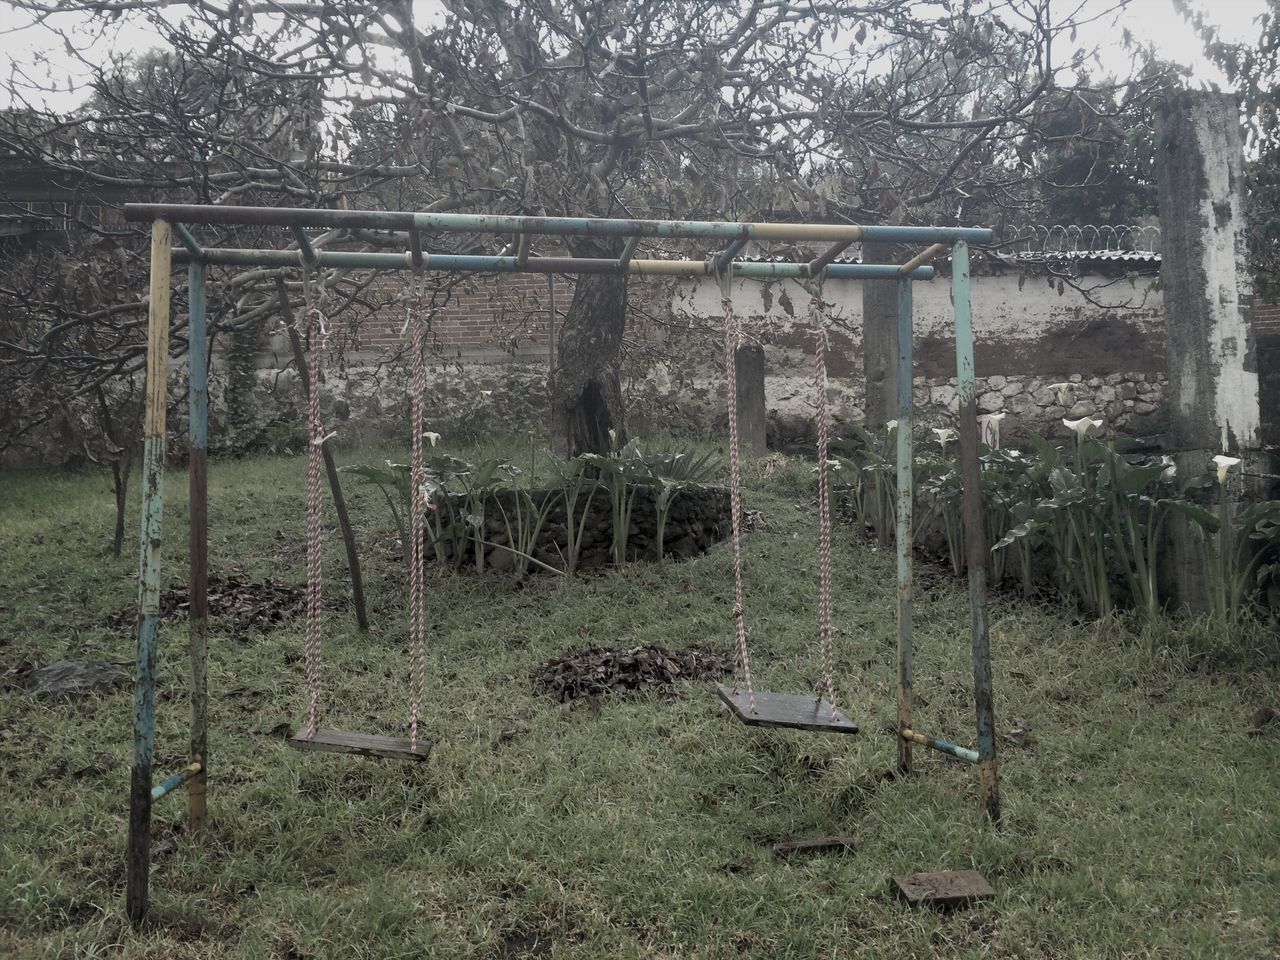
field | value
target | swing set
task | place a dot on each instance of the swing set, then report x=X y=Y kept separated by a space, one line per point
x=814 y=711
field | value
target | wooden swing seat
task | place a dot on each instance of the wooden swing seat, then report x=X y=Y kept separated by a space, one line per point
x=327 y=740
x=799 y=711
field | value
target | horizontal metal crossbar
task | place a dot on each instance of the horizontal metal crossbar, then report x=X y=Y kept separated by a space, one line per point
x=173 y=782
x=467 y=263
x=301 y=217
x=942 y=746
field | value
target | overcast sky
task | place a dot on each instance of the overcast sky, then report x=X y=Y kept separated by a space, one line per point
x=35 y=51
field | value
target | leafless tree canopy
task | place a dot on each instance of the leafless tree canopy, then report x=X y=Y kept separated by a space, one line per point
x=892 y=110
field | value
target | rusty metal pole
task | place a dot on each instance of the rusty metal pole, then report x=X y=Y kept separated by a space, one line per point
x=906 y=494
x=198 y=486
x=974 y=532
x=138 y=856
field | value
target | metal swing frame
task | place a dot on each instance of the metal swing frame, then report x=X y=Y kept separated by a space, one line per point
x=170 y=221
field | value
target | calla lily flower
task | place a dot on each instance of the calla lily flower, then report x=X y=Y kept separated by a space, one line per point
x=1224 y=463
x=431 y=438
x=945 y=435
x=989 y=425
x=1063 y=389
x=1081 y=426
x=890 y=425
x=1170 y=468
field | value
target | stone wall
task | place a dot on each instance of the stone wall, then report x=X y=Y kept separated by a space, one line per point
x=697 y=518
x=1100 y=330
x=1130 y=403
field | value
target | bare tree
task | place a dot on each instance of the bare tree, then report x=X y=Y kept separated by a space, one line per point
x=880 y=109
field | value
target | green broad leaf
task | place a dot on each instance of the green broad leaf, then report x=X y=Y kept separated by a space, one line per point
x=372 y=474
x=1048 y=455
x=1021 y=530
x=1207 y=519
x=1131 y=479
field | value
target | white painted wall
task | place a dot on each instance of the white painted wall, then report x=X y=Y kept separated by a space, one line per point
x=1004 y=307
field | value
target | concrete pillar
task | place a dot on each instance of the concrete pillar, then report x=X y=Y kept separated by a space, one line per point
x=1212 y=398
x=1208 y=288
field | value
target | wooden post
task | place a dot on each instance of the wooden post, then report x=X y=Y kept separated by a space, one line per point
x=198 y=479
x=880 y=339
x=974 y=532
x=138 y=856
x=905 y=502
x=330 y=466
x=551 y=354
x=752 y=417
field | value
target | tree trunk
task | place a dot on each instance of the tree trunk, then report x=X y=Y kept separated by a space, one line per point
x=121 y=464
x=120 y=481
x=587 y=389
x=330 y=468
x=749 y=368
x=880 y=340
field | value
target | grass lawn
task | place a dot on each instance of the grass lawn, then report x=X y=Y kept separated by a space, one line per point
x=1140 y=821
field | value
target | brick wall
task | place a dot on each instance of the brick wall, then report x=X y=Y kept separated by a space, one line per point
x=1266 y=326
x=1266 y=319
x=482 y=315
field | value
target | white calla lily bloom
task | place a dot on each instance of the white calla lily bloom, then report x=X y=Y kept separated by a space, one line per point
x=1063 y=389
x=431 y=438
x=1170 y=468
x=945 y=435
x=1224 y=463
x=1081 y=426
x=890 y=425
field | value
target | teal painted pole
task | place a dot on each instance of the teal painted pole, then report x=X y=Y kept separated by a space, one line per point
x=906 y=500
x=138 y=856
x=974 y=532
x=942 y=746
x=174 y=781
x=198 y=543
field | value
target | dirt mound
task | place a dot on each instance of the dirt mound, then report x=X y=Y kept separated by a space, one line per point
x=596 y=672
x=259 y=605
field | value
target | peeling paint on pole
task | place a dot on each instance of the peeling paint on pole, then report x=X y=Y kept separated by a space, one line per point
x=1208 y=286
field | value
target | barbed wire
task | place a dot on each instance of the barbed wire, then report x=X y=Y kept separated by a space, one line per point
x=1079 y=238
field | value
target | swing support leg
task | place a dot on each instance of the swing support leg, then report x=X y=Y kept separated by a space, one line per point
x=198 y=467
x=904 y=534
x=974 y=533
x=138 y=855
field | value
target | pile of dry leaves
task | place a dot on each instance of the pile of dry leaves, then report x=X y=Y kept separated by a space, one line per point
x=257 y=604
x=596 y=672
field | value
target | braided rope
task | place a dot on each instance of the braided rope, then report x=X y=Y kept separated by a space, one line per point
x=732 y=338
x=315 y=324
x=825 y=603
x=418 y=505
